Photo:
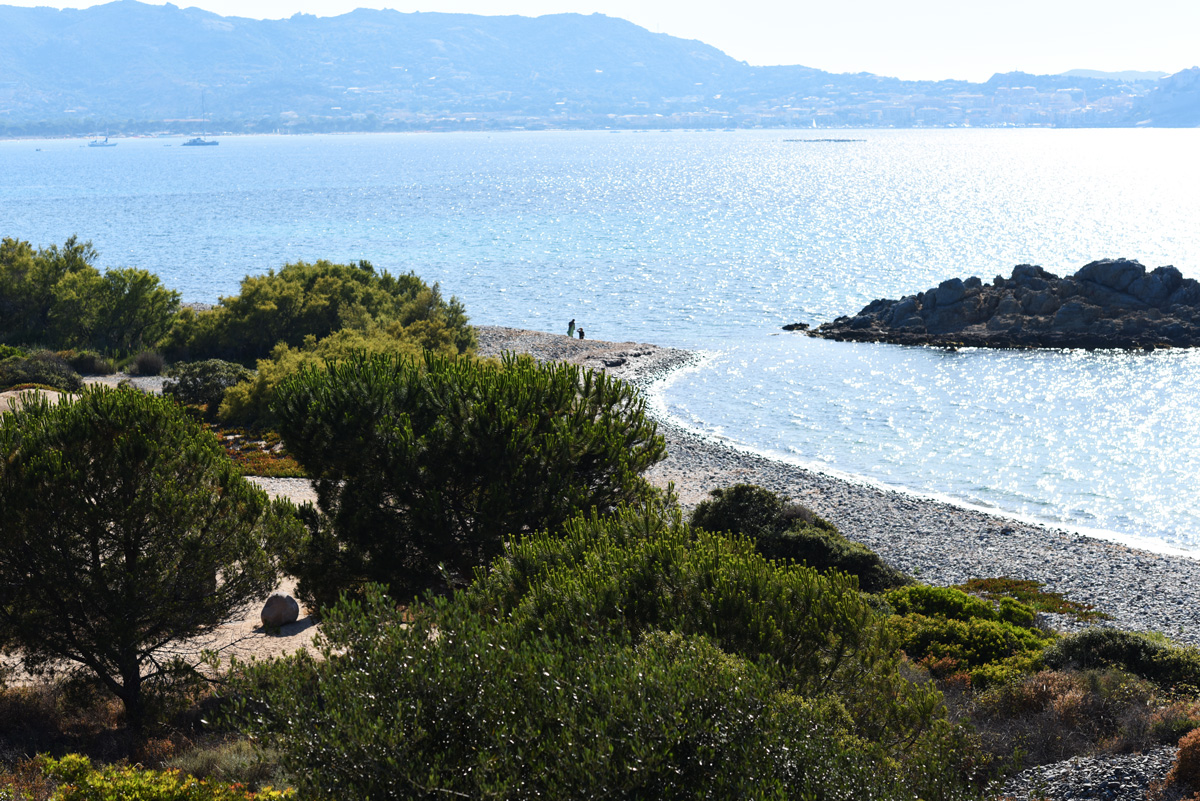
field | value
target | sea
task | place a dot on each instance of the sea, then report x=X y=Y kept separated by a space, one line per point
x=712 y=241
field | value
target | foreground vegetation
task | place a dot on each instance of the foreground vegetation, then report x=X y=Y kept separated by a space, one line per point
x=509 y=609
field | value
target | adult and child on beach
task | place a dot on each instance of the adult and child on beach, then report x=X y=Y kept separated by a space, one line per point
x=571 y=329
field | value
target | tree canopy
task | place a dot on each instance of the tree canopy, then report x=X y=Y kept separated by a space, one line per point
x=424 y=466
x=314 y=300
x=55 y=297
x=124 y=529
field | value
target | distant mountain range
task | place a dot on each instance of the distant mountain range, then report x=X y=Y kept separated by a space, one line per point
x=130 y=67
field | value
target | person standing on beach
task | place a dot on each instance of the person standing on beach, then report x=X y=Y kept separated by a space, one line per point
x=571 y=328
x=581 y=333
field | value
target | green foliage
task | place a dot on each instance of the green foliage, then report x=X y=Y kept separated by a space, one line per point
x=56 y=297
x=231 y=761
x=204 y=383
x=827 y=549
x=424 y=467
x=79 y=780
x=753 y=511
x=8 y=351
x=1031 y=594
x=951 y=631
x=88 y=362
x=147 y=362
x=126 y=529
x=250 y=402
x=43 y=368
x=633 y=658
x=316 y=300
x=792 y=532
x=1154 y=658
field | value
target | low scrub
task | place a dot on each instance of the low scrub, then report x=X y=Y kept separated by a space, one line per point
x=43 y=368
x=1032 y=594
x=951 y=632
x=148 y=362
x=78 y=780
x=633 y=657
x=204 y=383
x=89 y=362
x=793 y=533
x=1153 y=657
x=1049 y=716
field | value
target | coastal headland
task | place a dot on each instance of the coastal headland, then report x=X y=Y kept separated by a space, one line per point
x=1112 y=303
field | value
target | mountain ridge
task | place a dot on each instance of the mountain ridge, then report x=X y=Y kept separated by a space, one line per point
x=132 y=65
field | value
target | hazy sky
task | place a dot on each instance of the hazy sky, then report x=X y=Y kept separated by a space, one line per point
x=935 y=39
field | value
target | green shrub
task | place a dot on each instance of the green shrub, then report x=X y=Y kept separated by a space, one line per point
x=80 y=781
x=951 y=631
x=316 y=300
x=204 y=383
x=88 y=362
x=1031 y=594
x=119 y=503
x=231 y=761
x=424 y=467
x=826 y=549
x=752 y=511
x=43 y=367
x=1154 y=658
x=792 y=532
x=55 y=297
x=944 y=602
x=631 y=658
x=148 y=362
x=8 y=351
x=250 y=402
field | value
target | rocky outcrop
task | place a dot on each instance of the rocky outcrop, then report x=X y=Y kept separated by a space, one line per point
x=1114 y=303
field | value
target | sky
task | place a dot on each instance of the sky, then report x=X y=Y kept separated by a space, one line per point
x=911 y=39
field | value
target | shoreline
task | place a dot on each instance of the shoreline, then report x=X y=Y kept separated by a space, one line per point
x=934 y=540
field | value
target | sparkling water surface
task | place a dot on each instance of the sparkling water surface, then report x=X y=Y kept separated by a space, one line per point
x=711 y=241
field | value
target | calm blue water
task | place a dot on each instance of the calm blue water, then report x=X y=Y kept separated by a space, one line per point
x=711 y=241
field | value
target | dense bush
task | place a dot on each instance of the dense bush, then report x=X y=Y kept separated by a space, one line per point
x=250 y=402
x=1152 y=657
x=79 y=780
x=56 y=297
x=42 y=368
x=125 y=530
x=752 y=511
x=424 y=467
x=316 y=300
x=794 y=533
x=951 y=632
x=633 y=658
x=204 y=383
x=826 y=549
x=88 y=362
x=148 y=362
x=1049 y=716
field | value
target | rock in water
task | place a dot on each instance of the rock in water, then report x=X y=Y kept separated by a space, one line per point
x=1113 y=303
x=280 y=610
